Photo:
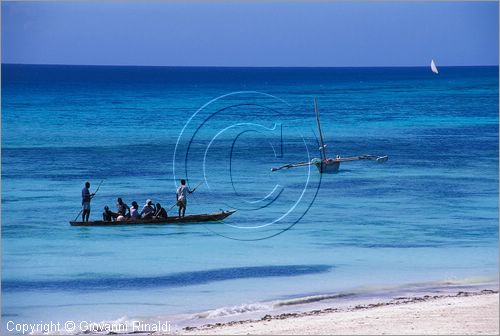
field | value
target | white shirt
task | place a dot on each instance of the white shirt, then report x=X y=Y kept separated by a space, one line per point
x=182 y=192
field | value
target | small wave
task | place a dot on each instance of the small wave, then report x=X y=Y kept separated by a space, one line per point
x=310 y=299
x=469 y=281
x=265 y=306
x=234 y=310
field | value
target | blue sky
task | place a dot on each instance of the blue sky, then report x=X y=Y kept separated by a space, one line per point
x=250 y=33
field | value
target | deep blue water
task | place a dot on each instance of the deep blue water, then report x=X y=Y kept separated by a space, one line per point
x=429 y=214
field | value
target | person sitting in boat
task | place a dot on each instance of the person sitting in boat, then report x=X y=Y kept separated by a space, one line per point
x=122 y=208
x=182 y=193
x=134 y=212
x=107 y=215
x=160 y=212
x=148 y=210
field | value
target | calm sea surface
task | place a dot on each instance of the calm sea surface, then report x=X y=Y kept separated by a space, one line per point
x=429 y=214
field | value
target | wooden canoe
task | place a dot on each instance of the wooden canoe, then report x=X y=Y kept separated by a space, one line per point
x=170 y=220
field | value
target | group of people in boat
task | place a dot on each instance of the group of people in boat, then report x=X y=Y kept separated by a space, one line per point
x=123 y=212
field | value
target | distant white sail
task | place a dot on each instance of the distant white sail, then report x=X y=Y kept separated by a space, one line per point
x=434 y=67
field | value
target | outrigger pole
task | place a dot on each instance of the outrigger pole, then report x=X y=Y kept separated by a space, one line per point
x=379 y=159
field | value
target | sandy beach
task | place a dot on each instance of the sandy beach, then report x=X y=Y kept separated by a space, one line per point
x=460 y=313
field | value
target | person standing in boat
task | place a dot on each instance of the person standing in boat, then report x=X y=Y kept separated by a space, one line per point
x=182 y=193
x=86 y=197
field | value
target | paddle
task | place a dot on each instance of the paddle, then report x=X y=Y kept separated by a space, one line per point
x=91 y=196
x=192 y=191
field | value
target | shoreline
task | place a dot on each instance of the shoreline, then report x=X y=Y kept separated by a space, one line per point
x=464 y=312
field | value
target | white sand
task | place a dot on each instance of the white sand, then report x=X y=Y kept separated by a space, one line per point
x=477 y=314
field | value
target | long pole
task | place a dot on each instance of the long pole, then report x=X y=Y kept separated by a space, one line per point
x=321 y=142
x=91 y=197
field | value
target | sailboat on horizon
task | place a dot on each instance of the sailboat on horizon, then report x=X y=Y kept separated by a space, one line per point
x=434 y=67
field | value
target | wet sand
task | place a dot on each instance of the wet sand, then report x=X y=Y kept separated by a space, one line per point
x=461 y=313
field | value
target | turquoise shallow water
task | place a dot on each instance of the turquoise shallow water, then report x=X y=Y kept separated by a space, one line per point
x=429 y=214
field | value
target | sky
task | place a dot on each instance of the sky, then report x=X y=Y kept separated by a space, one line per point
x=249 y=33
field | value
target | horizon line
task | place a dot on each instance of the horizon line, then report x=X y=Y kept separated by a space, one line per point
x=252 y=66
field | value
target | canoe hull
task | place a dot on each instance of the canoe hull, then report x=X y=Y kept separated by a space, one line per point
x=170 y=220
x=328 y=166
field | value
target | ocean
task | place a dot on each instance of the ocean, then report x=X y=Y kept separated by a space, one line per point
x=426 y=217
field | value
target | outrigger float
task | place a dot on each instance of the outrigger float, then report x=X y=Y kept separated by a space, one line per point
x=330 y=165
x=160 y=221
